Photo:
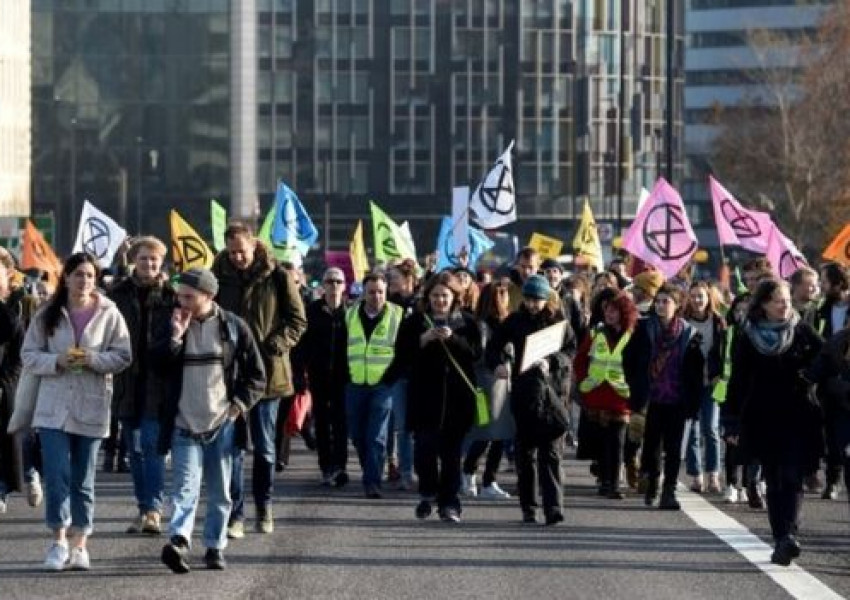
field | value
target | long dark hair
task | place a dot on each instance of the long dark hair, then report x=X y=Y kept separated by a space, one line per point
x=763 y=293
x=59 y=299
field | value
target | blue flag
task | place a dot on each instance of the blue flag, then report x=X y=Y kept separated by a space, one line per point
x=292 y=225
x=479 y=243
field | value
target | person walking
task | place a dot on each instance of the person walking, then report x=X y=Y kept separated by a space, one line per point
x=254 y=287
x=672 y=393
x=438 y=345
x=321 y=352
x=372 y=327
x=534 y=396
x=604 y=365
x=11 y=339
x=704 y=432
x=75 y=345
x=215 y=373
x=771 y=405
x=146 y=300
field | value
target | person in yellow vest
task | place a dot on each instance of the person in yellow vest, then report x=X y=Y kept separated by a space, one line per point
x=603 y=367
x=372 y=327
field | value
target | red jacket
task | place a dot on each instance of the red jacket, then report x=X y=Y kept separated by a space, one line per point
x=602 y=397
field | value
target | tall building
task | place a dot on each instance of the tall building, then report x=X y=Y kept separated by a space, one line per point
x=142 y=105
x=718 y=65
x=15 y=125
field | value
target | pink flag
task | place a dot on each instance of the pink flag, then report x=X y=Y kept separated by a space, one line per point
x=661 y=233
x=783 y=255
x=342 y=260
x=736 y=225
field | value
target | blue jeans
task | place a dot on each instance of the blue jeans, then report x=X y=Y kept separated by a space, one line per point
x=367 y=409
x=705 y=427
x=261 y=420
x=147 y=465
x=69 y=464
x=211 y=456
x=403 y=438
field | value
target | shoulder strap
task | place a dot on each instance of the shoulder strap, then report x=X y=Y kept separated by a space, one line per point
x=452 y=359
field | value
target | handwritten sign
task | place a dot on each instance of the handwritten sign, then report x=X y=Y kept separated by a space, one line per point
x=541 y=344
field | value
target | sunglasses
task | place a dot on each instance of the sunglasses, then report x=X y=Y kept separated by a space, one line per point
x=336 y=281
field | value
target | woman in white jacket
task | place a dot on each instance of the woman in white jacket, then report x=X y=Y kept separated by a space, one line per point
x=75 y=343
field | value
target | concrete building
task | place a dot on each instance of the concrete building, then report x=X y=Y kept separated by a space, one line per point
x=15 y=121
x=717 y=64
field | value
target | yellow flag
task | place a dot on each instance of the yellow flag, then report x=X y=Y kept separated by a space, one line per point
x=586 y=243
x=188 y=249
x=547 y=247
x=359 y=260
x=839 y=249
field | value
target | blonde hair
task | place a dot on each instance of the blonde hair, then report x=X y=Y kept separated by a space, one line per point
x=148 y=242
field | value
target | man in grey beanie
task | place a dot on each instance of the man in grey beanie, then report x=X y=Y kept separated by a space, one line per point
x=215 y=374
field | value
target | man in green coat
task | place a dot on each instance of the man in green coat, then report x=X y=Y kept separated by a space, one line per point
x=255 y=287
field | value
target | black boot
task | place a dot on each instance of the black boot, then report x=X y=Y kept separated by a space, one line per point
x=668 y=498
x=651 y=491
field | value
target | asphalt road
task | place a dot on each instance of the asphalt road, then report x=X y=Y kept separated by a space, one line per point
x=337 y=544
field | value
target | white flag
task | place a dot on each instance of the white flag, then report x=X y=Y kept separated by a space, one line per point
x=460 y=219
x=98 y=235
x=493 y=203
x=408 y=236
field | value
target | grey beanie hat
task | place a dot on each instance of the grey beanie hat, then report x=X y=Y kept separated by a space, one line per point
x=202 y=280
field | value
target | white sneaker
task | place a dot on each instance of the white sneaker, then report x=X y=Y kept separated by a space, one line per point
x=762 y=488
x=730 y=496
x=35 y=494
x=3 y=506
x=742 y=495
x=57 y=556
x=79 y=560
x=494 y=492
x=468 y=485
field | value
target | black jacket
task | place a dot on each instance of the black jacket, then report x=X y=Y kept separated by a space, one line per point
x=690 y=372
x=822 y=321
x=321 y=351
x=771 y=404
x=11 y=339
x=529 y=389
x=139 y=390
x=245 y=375
x=714 y=360
x=438 y=398
x=831 y=371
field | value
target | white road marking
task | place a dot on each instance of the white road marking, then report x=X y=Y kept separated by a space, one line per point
x=794 y=580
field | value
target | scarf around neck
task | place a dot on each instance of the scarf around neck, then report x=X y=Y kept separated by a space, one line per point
x=772 y=338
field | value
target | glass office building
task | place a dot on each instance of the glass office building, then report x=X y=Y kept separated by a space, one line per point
x=130 y=109
x=396 y=101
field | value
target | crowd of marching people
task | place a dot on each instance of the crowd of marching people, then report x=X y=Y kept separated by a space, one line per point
x=427 y=374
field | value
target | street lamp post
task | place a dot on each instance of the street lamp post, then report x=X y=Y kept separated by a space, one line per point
x=72 y=182
x=139 y=175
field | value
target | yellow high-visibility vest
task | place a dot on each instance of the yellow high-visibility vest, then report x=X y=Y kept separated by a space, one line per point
x=606 y=365
x=719 y=391
x=368 y=359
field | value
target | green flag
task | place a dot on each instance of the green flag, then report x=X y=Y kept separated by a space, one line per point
x=390 y=241
x=286 y=253
x=218 y=218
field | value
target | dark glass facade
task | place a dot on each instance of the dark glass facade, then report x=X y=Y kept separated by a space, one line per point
x=130 y=109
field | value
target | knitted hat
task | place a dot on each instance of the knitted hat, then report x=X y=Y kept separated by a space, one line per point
x=201 y=279
x=551 y=263
x=648 y=282
x=537 y=287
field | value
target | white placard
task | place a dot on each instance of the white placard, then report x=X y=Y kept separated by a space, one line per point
x=460 y=219
x=542 y=343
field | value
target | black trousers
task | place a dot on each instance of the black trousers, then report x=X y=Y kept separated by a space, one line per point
x=331 y=428
x=436 y=459
x=834 y=449
x=665 y=427
x=612 y=442
x=494 y=449
x=784 y=498
x=539 y=461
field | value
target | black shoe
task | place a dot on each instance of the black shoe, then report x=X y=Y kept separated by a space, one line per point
x=668 y=500
x=529 y=516
x=279 y=466
x=123 y=465
x=830 y=492
x=754 y=497
x=373 y=493
x=651 y=492
x=175 y=555
x=341 y=479
x=450 y=515
x=424 y=509
x=309 y=438
x=603 y=491
x=616 y=495
x=555 y=517
x=594 y=468
x=787 y=549
x=214 y=559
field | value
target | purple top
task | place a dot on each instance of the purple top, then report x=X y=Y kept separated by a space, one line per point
x=80 y=317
